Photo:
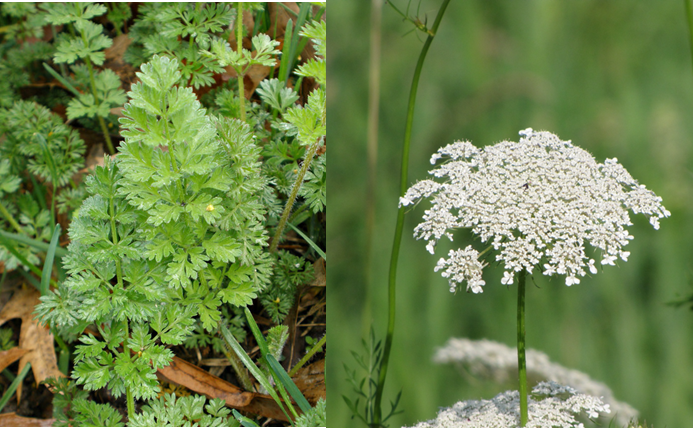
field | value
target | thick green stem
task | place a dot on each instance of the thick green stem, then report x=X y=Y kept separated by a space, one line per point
x=521 y=362
x=404 y=181
x=239 y=45
x=294 y=193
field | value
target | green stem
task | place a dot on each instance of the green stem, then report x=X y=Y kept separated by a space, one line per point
x=102 y=123
x=53 y=198
x=239 y=49
x=377 y=417
x=521 y=362
x=308 y=356
x=294 y=193
x=10 y=219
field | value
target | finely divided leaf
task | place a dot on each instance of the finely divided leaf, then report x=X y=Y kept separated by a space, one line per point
x=222 y=247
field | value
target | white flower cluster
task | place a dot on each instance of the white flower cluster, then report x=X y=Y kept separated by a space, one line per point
x=495 y=361
x=550 y=406
x=463 y=265
x=538 y=200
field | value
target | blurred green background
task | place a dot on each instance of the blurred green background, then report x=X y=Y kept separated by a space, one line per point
x=615 y=78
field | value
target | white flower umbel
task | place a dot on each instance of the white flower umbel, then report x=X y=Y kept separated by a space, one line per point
x=537 y=202
x=550 y=406
x=495 y=361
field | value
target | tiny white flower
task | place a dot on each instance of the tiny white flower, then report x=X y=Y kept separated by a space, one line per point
x=609 y=260
x=507 y=278
x=624 y=255
x=549 y=270
x=570 y=280
x=593 y=269
x=431 y=247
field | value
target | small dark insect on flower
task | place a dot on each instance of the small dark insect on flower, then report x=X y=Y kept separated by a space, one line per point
x=526 y=186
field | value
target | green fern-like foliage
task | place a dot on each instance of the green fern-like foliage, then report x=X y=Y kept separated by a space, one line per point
x=197 y=177
x=190 y=411
x=290 y=273
x=172 y=229
x=72 y=407
x=181 y=31
x=87 y=42
x=38 y=150
x=23 y=20
x=316 y=417
x=63 y=147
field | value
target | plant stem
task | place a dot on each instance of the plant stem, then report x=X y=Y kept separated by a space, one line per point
x=239 y=44
x=307 y=357
x=521 y=362
x=294 y=193
x=102 y=123
x=377 y=417
x=10 y=219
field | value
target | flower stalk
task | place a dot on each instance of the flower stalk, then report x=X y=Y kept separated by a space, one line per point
x=377 y=411
x=521 y=361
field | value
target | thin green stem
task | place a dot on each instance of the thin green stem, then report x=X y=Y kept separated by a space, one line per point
x=521 y=362
x=10 y=219
x=294 y=193
x=307 y=357
x=102 y=123
x=53 y=198
x=239 y=49
x=171 y=154
x=377 y=417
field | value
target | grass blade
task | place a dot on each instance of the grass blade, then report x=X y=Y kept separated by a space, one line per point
x=62 y=80
x=39 y=245
x=259 y=338
x=242 y=419
x=48 y=264
x=281 y=376
x=12 y=249
x=306 y=357
x=238 y=349
x=309 y=241
x=264 y=350
x=13 y=386
x=283 y=74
